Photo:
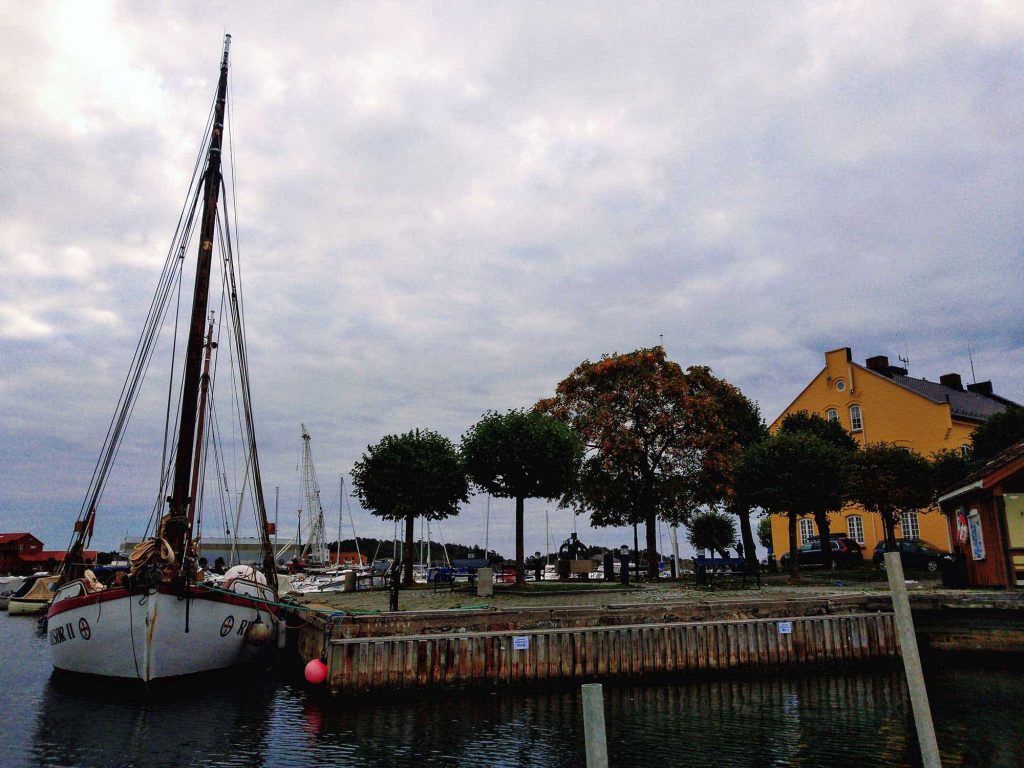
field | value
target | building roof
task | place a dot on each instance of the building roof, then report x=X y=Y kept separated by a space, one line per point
x=990 y=473
x=54 y=554
x=962 y=403
x=6 y=538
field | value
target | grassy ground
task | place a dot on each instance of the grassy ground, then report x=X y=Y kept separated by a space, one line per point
x=582 y=594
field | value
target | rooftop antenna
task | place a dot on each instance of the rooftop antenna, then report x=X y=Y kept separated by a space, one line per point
x=905 y=357
x=971 y=358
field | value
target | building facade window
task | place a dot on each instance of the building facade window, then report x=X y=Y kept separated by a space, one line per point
x=806 y=530
x=856 y=418
x=909 y=526
x=832 y=414
x=855 y=528
x=840 y=385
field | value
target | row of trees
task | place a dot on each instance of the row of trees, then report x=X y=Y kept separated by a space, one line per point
x=634 y=439
x=518 y=455
x=630 y=439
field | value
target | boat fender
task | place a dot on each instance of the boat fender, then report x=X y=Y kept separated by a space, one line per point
x=316 y=672
x=258 y=633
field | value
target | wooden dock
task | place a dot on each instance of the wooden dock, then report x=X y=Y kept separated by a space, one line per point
x=594 y=653
x=480 y=648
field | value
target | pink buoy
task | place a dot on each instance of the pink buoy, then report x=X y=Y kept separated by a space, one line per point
x=316 y=672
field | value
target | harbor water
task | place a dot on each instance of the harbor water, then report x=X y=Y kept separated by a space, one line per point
x=829 y=718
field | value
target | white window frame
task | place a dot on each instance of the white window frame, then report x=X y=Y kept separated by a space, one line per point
x=910 y=525
x=806 y=529
x=855 y=528
x=840 y=385
x=832 y=414
x=856 y=419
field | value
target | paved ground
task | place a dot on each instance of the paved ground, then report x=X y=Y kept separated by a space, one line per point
x=552 y=594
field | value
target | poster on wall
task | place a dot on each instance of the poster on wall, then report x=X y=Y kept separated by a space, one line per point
x=974 y=531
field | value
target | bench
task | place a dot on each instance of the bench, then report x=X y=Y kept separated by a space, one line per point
x=708 y=571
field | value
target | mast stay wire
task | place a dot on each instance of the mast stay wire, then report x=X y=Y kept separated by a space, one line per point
x=143 y=350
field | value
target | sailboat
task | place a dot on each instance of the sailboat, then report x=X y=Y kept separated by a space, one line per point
x=165 y=618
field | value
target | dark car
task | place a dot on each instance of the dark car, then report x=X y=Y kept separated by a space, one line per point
x=846 y=553
x=914 y=553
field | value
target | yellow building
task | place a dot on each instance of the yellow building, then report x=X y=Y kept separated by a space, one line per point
x=880 y=403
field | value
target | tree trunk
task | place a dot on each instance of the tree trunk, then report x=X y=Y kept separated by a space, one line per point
x=408 y=554
x=794 y=569
x=520 y=553
x=825 y=537
x=652 y=547
x=747 y=536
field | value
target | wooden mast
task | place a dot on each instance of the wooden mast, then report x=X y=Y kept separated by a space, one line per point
x=197 y=458
x=174 y=527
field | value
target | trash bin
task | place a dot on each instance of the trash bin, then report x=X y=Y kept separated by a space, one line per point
x=954 y=571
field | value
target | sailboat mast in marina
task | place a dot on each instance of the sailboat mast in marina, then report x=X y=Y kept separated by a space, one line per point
x=315 y=552
x=166 y=617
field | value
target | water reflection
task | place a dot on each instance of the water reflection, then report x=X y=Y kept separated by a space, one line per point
x=82 y=722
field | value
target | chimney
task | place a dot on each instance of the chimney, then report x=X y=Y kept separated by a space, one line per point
x=878 y=364
x=981 y=388
x=951 y=380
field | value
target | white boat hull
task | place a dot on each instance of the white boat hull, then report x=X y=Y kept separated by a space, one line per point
x=142 y=636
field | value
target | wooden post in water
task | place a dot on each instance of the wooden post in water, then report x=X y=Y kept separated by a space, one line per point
x=912 y=662
x=593 y=726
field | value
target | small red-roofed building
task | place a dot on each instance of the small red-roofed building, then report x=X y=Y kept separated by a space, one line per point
x=985 y=513
x=14 y=547
x=22 y=554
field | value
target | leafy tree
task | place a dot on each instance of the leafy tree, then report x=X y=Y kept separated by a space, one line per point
x=416 y=474
x=889 y=481
x=741 y=425
x=833 y=433
x=794 y=474
x=650 y=438
x=949 y=467
x=764 y=531
x=522 y=455
x=811 y=423
x=998 y=433
x=712 y=530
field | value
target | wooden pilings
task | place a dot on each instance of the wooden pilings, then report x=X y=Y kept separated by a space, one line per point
x=588 y=653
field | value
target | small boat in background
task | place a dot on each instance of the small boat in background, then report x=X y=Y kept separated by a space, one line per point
x=8 y=586
x=33 y=597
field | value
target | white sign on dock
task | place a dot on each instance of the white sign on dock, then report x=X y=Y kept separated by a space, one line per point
x=521 y=642
x=785 y=628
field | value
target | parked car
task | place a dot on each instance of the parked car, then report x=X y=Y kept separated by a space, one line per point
x=846 y=553
x=914 y=553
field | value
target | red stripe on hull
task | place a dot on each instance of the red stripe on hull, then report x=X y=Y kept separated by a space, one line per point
x=196 y=593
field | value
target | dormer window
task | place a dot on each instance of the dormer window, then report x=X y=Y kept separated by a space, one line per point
x=856 y=419
x=832 y=414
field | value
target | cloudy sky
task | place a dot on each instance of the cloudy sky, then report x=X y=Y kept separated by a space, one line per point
x=445 y=207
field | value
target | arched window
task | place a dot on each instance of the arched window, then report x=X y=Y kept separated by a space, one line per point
x=856 y=419
x=909 y=526
x=832 y=414
x=806 y=529
x=855 y=528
